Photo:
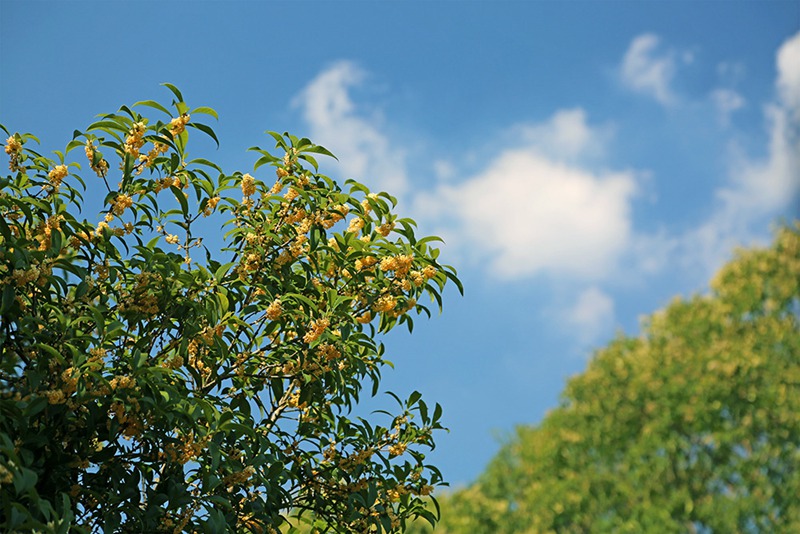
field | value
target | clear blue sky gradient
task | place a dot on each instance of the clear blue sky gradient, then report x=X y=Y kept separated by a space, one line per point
x=449 y=89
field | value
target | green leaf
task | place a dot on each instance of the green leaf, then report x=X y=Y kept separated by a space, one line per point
x=205 y=129
x=181 y=198
x=174 y=90
x=8 y=299
x=205 y=110
x=153 y=104
x=320 y=150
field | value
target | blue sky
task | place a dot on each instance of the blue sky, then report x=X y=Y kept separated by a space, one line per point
x=585 y=161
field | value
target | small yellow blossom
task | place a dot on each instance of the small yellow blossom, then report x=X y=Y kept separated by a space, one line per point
x=178 y=125
x=135 y=139
x=13 y=145
x=274 y=310
x=121 y=203
x=316 y=328
x=172 y=239
x=57 y=175
x=101 y=167
x=291 y=194
x=248 y=185
x=210 y=205
x=386 y=303
x=397 y=449
x=385 y=229
x=55 y=396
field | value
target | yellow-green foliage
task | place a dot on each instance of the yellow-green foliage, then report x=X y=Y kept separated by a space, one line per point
x=149 y=383
x=694 y=426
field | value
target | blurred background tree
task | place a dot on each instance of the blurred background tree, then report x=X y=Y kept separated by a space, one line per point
x=692 y=426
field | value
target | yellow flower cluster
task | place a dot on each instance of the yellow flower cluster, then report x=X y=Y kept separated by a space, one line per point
x=209 y=334
x=6 y=476
x=57 y=175
x=121 y=203
x=399 y=264
x=25 y=276
x=274 y=310
x=291 y=194
x=385 y=229
x=178 y=125
x=395 y=493
x=175 y=362
x=248 y=185
x=135 y=139
x=355 y=459
x=315 y=329
x=328 y=351
x=335 y=214
x=101 y=167
x=365 y=205
x=386 y=303
x=70 y=379
x=122 y=382
x=240 y=478
x=195 y=358
x=157 y=150
x=128 y=420
x=13 y=146
x=44 y=231
x=294 y=401
x=365 y=318
x=355 y=226
x=397 y=449
x=419 y=277
x=141 y=298
x=55 y=396
x=210 y=205
x=166 y=182
x=365 y=263
x=172 y=239
x=187 y=451
x=14 y=151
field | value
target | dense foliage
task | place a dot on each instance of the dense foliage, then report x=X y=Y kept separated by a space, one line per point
x=691 y=427
x=149 y=383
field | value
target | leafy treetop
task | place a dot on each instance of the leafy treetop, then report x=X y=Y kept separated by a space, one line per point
x=151 y=384
x=690 y=427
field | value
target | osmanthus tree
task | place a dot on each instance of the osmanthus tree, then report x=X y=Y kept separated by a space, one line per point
x=693 y=426
x=151 y=384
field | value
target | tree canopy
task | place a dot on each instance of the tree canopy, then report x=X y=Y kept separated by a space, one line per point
x=691 y=426
x=152 y=381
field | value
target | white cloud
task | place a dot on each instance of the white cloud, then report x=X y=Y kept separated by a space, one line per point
x=757 y=188
x=726 y=101
x=528 y=213
x=762 y=186
x=592 y=314
x=731 y=72
x=647 y=71
x=566 y=136
x=788 y=83
x=444 y=170
x=357 y=139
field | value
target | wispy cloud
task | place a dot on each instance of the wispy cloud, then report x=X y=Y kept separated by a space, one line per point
x=756 y=188
x=350 y=132
x=726 y=101
x=592 y=315
x=648 y=70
